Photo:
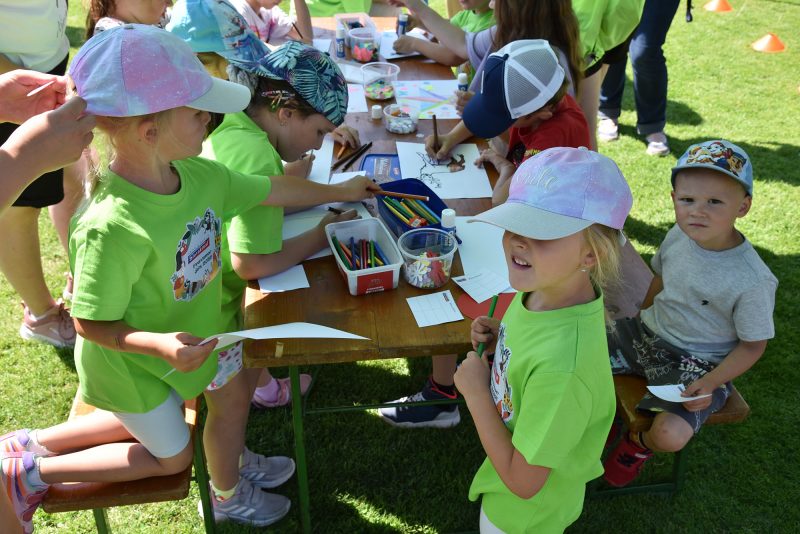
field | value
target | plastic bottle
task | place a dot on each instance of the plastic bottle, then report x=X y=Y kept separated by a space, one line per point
x=402 y=23
x=376 y=112
x=448 y=219
x=463 y=81
x=340 y=42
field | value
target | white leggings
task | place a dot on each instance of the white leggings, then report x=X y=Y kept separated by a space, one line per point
x=486 y=526
x=162 y=430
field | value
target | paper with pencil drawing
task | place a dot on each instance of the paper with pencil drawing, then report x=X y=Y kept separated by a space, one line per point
x=672 y=393
x=457 y=177
x=282 y=331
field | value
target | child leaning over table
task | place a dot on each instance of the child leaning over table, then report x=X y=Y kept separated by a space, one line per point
x=524 y=88
x=543 y=406
x=712 y=302
x=545 y=117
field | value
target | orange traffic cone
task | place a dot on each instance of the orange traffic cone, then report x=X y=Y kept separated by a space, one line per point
x=769 y=43
x=718 y=6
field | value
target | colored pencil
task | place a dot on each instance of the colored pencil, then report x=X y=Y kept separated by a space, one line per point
x=357 y=155
x=399 y=207
x=435 y=136
x=340 y=251
x=337 y=211
x=418 y=210
x=297 y=30
x=482 y=346
x=397 y=214
x=403 y=195
x=424 y=207
x=341 y=151
x=372 y=252
x=381 y=255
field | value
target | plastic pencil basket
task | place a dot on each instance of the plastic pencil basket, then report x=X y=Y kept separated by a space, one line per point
x=410 y=211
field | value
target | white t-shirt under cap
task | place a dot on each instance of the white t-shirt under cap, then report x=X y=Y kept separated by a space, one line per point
x=33 y=33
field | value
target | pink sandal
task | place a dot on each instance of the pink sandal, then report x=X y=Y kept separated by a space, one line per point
x=278 y=392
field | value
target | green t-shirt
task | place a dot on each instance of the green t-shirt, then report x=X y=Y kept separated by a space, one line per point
x=329 y=8
x=152 y=261
x=605 y=24
x=551 y=383
x=469 y=21
x=239 y=144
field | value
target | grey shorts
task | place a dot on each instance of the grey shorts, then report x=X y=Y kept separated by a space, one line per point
x=635 y=350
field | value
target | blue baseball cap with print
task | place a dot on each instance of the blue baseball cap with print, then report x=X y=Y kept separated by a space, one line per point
x=312 y=74
x=718 y=155
x=215 y=26
x=518 y=79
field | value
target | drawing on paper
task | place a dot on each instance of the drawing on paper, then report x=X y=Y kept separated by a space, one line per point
x=431 y=168
x=435 y=97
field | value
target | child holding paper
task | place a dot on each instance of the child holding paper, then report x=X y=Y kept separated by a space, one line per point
x=543 y=407
x=146 y=254
x=708 y=314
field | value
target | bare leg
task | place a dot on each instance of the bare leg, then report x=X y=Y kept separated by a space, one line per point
x=223 y=436
x=263 y=377
x=589 y=100
x=8 y=519
x=444 y=367
x=669 y=433
x=113 y=462
x=96 y=428
x=21 y=260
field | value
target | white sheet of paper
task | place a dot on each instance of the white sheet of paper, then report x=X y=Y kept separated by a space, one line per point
x=323 y=45
x=282 y=331
x=672 y=393
x=351 y=72
x=436 y=308
x=481 y=249
x=321 y=168
x=387 y=46
x=292 y=278
x=356 y=99
x=339 y=177
x=295 y=224
x=434 y=97
x=470 y=182
x=483 y=285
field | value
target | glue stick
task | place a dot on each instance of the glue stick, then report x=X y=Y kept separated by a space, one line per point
x=402 y=23
x=340 y=42
x=463 y=81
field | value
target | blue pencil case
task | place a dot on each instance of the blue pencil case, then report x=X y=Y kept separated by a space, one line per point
x=381 y=167
x=411 y=186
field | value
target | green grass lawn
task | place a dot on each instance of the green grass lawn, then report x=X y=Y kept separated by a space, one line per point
x=368 y=477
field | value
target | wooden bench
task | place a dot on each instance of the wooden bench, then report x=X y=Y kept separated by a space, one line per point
x=625 y=302
x=98 y=496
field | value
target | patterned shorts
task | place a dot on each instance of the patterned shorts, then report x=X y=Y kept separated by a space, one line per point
x=229 y=364
x=635 y=350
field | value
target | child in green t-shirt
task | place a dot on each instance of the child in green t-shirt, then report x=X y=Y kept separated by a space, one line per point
x=542 y=408
x=145 y=252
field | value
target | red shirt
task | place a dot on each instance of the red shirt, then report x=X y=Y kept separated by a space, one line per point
x=567 y=127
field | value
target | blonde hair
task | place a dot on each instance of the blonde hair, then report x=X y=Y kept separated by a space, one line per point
x=605 y=245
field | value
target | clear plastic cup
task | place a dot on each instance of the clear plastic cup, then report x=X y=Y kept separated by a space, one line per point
x=364 y=44
x=379 y=79
x=401 y=118
x=427 y=256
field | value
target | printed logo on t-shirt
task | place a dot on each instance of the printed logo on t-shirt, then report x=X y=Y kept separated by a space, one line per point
x=197 y=260
x=501 y=391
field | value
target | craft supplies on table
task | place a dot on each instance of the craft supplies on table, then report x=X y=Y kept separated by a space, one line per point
x=366 y=255
x=364 y=45
x=379 y=79
x=382 y=167
x=427 y=256
x=350 y=21
x=400 y=118
x=402 y=215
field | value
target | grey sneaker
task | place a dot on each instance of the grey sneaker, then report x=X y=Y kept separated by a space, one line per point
x=55 y=327
x=607 y=130
x=249 y=506
x=432 y=416
x=266 y=472
x=657 y=144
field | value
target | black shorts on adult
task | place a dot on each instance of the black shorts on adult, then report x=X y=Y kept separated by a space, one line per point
x=615 y=55
x=48 y=189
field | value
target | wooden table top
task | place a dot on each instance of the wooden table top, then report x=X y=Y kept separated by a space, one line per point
x=385 y=318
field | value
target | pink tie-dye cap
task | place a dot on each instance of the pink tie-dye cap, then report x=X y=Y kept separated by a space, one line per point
x=136 y=69
x=561 y=191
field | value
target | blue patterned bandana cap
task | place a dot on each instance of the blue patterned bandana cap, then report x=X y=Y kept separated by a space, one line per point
x=718 y=155
x=311 y=73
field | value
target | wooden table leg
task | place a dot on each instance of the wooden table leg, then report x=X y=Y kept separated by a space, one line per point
x=300 y=450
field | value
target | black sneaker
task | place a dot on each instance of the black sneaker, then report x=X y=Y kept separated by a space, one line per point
x=435 y=416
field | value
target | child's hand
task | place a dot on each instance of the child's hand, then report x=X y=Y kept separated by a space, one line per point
x=15 y=104
x=446 y=145
x=412 y=5
x=300 y=167
x=183 y=351
x=484 y=330
x=472 y=376
x=490 y=156
x=462 y=97
x=345 y=135
x=332 y=217
x=405 y=44
x=698 y=387
x=357 y=188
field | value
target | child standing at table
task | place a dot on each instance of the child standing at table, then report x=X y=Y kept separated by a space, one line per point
x=708 y=314
x=105 y=14
x=272 y=24
x=542 y=409
x=146 y=255
x=541 y=116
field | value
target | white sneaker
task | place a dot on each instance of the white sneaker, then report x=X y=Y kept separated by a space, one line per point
x=657 y=144
x=249 y=506
x=607 y=130
x=266 y=472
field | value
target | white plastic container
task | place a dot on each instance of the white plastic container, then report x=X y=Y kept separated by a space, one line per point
x=347 y=20
x=373 y=279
